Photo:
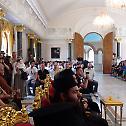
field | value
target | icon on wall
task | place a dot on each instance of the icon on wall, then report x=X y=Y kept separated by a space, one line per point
x=55 y=52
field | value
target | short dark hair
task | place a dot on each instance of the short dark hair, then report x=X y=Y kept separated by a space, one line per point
x=32 y=61
x=78 y=68
x=64 y=80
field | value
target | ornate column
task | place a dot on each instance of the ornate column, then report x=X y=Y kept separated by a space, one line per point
x=19 y=29
x=38 y=48
x=70 y=49
x=2 y=14
x=6 y=34
x=31 y=46
x=96 y=65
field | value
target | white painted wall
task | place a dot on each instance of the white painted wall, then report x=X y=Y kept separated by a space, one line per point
x=48 y=44
x=123 y=48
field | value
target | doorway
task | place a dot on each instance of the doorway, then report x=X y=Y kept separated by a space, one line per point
x=92 y=43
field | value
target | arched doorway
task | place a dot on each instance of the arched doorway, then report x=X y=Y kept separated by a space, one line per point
x=94 y=41
x=89 y=53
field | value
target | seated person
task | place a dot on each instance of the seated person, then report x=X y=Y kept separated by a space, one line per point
x=11 y=95
x=2 y=103
x=89 y=73
x=66 y=109
x=1 y=96
x=41 y=76
x=32 y=75
x=83 y=83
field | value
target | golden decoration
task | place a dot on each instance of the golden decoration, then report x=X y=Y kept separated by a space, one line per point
x=37 y=100
x=10 y=117
x=20 y=28
x=42 y=93
x=32 y=35
x=2 y=13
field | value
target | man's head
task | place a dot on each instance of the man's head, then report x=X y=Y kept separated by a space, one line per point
x=79 y=71
x=42 y=65
x=67 y=65
x=32 y=63
x=1 y=69
x=66 y=85
x=14 y=55
x=55 y=65
x=90 y=65
x=2 y=53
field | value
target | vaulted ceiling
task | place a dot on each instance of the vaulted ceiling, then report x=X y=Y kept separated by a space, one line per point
x=77 y=15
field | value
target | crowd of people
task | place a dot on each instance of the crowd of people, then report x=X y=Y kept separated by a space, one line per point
x=118 y=69
x=68 y=107
x=70 y=80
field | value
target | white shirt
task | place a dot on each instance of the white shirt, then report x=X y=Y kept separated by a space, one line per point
x=91 y=72
x=31 y=72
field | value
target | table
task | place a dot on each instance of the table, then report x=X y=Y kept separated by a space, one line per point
x=107 y=102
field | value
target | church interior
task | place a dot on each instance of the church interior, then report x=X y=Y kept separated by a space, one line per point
x=41 y=38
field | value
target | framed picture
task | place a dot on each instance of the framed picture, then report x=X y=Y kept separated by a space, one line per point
x=55 y=52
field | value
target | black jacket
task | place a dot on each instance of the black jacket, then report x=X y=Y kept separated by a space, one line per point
x=59 y=114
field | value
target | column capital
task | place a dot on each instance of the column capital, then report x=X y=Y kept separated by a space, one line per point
x=2 y=13
x=31 y=35
x=20 y=28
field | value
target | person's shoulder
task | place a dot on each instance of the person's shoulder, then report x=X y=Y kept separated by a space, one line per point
x=39 y=71
x=35 y=68
x=58 y=114
x=46 y=70
x=86 y=69
x=52 y=109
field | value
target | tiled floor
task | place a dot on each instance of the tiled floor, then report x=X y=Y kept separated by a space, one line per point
x=111 y=86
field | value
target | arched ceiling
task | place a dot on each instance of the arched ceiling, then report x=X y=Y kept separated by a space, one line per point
x=78 y=15
x=55 y=8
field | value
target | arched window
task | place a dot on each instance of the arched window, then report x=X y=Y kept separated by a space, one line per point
x=93 y=37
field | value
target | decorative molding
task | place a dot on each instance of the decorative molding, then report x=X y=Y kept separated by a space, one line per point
x=2 y=13
x=20 y=28
x=25 y=14
x=59 y=33
x=31 y=35
x=35 y=7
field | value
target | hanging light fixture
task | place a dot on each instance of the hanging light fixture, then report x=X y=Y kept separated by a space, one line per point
x=103 y=21
x=117 y=4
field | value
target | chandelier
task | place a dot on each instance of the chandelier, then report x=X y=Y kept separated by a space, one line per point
x=103 y=21
x=117 y=4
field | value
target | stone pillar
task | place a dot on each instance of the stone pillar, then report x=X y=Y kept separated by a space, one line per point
x=95 y=61
x=38 y=48
x=31 y=46
x=2 y=14
x=15 y=40
x=69 y=50
x=19 y=42
x=97 y=66
x=24 y=45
